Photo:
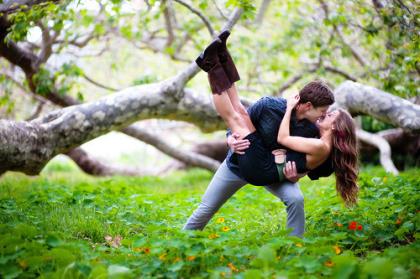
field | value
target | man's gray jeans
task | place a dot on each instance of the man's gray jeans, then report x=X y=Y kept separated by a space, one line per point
x=225 y=183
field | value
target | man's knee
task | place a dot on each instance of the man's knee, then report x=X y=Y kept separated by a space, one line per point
x=295 y=199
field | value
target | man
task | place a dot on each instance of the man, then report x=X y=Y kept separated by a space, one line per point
x=266 y=115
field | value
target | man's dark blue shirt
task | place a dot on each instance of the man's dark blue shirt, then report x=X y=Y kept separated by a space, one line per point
x=266 y=115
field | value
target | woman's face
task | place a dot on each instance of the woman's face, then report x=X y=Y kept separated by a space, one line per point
x=327 y=121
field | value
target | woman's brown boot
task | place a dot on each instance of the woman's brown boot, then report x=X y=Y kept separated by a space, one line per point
x=209 y=62
x=225 y=58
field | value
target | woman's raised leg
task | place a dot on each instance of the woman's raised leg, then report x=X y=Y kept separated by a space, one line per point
x=233 y=119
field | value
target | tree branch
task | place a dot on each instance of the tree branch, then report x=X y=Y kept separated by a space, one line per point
x=188 y=157
x=337 y=30
x=362 y=99
x=99 y=84
x=382 y=145
x=96 y=167
x=10 y=6
x=200 y=15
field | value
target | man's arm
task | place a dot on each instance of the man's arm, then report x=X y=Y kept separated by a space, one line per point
x=239 y=145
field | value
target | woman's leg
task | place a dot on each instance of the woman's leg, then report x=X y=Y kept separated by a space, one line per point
x=236 y=102
x=237 y=122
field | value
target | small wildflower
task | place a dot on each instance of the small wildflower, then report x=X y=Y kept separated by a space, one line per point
x=220 y=220
x=177 y=259
x=213 y=236
x=329 y=264
x=359 y=227
x=191 y=258
x=232 y=267
x=23 y=264
x=337 y=249
x=137 y=249
x=225 y=229
x=339 y=224
x=162 y=257
x=299 y=244
x=146 y=250
x=353 y=225
x=398 y=221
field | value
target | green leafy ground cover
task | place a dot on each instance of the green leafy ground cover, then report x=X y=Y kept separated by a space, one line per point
x=64 y=224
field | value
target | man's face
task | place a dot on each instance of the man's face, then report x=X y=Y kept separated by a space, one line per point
x=313 y=113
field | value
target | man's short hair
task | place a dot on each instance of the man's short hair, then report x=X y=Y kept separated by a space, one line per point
x=318 y=93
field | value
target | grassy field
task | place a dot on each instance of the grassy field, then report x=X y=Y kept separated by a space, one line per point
x=64 y=224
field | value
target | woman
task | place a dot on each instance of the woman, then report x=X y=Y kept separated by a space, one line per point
x=261 y=166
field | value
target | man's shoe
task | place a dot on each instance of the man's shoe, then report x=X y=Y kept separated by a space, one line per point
x=225 y=58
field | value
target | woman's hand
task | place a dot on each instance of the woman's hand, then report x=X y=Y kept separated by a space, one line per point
x=292 y=101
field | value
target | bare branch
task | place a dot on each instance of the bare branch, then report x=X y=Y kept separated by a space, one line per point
x=382 y=145
x=340 y=72
x=188 y=157
x=10 y=6
x=167 y=11
x=219 y=10
x=37 y=111
x=46 y=47
x=262 y=11
x=97 y=167
x=200 y=15
x=99 y=84
x=337 y=30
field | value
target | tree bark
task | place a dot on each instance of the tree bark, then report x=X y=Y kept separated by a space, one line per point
x=363 y=99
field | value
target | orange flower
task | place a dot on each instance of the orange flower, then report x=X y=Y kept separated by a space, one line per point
x=353 y=225
x=213 y=236
x=299 y=244
x=232 y=267
x=190 y=258
x=146 y=250
x=339 y=224
x=359 y=227
x=220 y=220
x=337 y=249
x=225 y=229
x=398 y=221
x=329 y=264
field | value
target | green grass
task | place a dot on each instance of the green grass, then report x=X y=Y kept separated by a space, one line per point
x=54 y=226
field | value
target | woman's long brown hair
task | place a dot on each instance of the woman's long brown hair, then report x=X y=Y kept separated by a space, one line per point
x=344 y=157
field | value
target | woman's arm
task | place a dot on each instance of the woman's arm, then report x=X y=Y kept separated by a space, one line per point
x=305 y=145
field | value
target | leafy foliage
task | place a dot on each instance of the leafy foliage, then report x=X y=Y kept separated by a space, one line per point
x=68 y=225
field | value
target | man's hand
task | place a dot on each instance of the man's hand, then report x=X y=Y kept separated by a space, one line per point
x=290 y=171
x=237 y=145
